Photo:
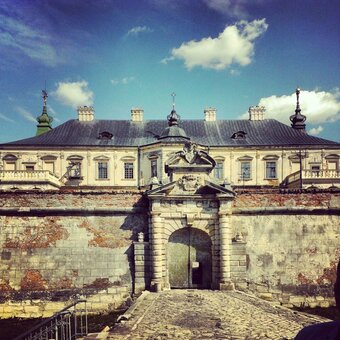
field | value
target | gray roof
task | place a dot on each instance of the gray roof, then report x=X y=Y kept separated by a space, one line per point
x=268 y=132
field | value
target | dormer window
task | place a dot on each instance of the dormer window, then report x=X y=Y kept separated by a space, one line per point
x=105 y=135
x=239 y=135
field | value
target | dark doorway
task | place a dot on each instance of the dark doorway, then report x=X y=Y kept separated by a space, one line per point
x=189 y=259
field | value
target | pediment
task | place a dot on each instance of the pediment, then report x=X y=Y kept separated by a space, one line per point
x=189 y=158
x=191 y=185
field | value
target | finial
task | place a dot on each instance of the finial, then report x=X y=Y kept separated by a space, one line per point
x=297 y=91
x=44 y=95
x=173 y=95
x=298 y=119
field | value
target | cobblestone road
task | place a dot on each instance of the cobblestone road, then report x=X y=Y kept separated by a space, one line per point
x=203 y=314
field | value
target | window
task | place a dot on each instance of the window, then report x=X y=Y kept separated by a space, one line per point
x=30 y=168
x=218 y=170
x=245 y=170
x=239 y=135
x=153 y=168
x=271 y=170
x=11 y=166
x=102 y=170
x=49 y=163
x=49 y=166
x=128 y=170
x=315 y=170
x=74 y=170
x=10 y=162
x=74 y=167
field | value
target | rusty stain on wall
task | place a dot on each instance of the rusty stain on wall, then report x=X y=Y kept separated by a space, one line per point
x=33 y=280
x=106 y=236
x=44 y=235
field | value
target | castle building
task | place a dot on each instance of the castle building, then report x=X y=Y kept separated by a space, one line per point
x=107 y=208
x=88 y=152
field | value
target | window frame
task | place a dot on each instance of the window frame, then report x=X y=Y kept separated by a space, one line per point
x=267 y=168
x=128 y=170
x=75 y=164
x=219 y=169
x=100 y=169
x=244 y=177
x=154 y=167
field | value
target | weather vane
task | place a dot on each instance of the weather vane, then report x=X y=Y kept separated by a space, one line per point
x=173 y=95
x=44 y=94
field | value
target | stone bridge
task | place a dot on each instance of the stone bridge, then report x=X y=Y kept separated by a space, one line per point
x=206 y=314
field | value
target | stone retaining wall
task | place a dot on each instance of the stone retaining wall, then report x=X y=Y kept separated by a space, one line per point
x=56 y=247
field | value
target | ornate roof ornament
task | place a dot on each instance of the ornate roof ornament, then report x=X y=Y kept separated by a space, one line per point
x=173 y=117
x=298 y=119
x=44 y=120
x=173 y=133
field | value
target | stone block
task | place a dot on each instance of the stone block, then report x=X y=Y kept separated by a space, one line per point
x=238 y=251
x=319 y=298
x=265 y=296
x=324 y=304
x=32 y=309
x=235 y=257
x=238 y=269
x=297 y=300
x=106 y=298
x=261 y=288
x=98 y=306
x=312 y=304
x=54 y=306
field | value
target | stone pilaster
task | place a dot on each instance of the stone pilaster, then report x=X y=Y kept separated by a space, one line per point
x=156 y=242
x=225 y=252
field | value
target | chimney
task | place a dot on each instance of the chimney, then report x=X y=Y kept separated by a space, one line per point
x=210 y=114
x=85 y=113
x=137 y=114
x=256 y=112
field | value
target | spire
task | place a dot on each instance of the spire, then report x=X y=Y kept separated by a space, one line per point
x=173 y=131
x=44 y=120
x=173 y=117
x=298 y=119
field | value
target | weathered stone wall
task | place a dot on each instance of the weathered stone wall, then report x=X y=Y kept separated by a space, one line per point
x=292 y=245
x=56 y=247
x=60 y=246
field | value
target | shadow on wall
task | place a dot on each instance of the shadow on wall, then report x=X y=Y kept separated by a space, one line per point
x=137 y=223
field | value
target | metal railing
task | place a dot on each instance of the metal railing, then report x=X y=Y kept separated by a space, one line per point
x=69 y=323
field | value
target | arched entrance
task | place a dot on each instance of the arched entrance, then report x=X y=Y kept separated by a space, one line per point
x=189 y=259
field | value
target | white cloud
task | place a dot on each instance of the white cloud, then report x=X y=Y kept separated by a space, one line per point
x=3 y=117
x=234 y=46
x=318 y=106
x=74 y=93
x=123 y=81
x=138 y=29
x=26 y=114
x=34 y=43
x=316 y=131
x=232 y=8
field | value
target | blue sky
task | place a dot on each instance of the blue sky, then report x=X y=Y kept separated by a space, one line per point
x=115 y=55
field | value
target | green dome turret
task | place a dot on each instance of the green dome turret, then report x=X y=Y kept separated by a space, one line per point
x=44 y=120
